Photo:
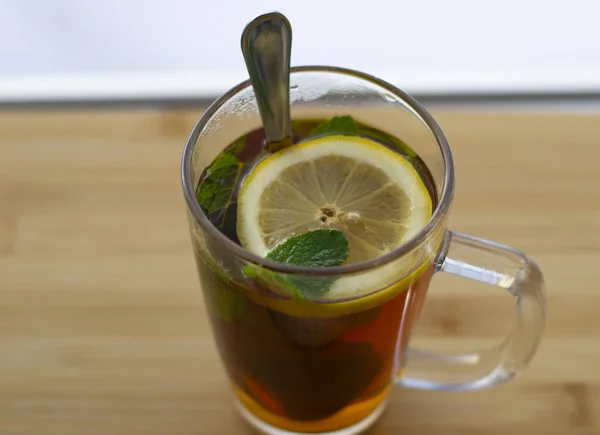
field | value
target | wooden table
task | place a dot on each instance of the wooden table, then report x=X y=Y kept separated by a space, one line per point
x=102 y=324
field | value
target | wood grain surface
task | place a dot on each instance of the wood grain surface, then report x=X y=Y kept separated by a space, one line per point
x=102 y=324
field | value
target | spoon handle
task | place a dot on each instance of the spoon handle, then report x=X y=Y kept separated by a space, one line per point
x=266 y=45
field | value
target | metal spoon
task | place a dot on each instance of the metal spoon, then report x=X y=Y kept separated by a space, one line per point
x=267 y=45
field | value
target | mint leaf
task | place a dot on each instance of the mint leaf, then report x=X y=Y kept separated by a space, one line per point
x=225 y=303
x=311 y=287
x=387 y=139
x=221 y=297
x=271 y=280
x=337 y=125
x=317 y=248
x=216 y=192
x=238 y=146
x=313 y=249
x=346 y=125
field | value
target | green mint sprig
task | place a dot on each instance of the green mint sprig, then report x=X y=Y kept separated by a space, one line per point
x=317 y=248
x=346 y=125
x=221 y=298
x=214 y=193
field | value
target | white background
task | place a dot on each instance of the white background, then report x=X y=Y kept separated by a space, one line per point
x=104 y=49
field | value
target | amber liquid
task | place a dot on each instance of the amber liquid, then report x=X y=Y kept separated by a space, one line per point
x=305 y=373
x=308 y=374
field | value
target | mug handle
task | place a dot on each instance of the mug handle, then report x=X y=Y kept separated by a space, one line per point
x=501 y=266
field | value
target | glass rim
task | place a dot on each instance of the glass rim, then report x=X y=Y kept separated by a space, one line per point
x=436 y=219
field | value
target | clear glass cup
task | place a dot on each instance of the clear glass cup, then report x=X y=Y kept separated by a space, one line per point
x=327 y=366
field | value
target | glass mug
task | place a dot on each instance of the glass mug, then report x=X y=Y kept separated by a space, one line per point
x=327 y=366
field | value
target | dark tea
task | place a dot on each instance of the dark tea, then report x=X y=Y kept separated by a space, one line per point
x=320 y=355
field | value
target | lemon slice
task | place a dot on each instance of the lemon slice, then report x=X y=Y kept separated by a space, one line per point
x=371 y=193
